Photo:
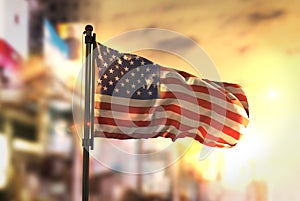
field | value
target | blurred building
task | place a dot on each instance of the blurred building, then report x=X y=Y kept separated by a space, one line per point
x=62 y=11
x=35 y=124
x=13 y=40
x=257 y=191
x=58 y=11
x=14 y=25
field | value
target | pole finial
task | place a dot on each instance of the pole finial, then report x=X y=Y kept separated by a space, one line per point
x=89 y=27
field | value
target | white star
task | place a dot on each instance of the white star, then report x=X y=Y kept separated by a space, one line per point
x=120 y=61
x=105 y=76
x=117 y=78
x=111 y=59
x=116 y=66
x=113 y=56
x=142 y=62
x=122 y=84
x=126 y=68
x=107 y=50
x=137 y=57
x=138 y=69
x=150 y=93
x=128 y=92
x=111 y=82
x=142 y=75
x=147 y=69
x=111 y=71
x=131 y=62
x=99 y=81
x=125 y=57
x=133 y=86
x=105 y=88
x=138 y=93
x=139 y=81
x=132 y=74
x=153 y=74
x=127 y=80
x=122 y=73
x=116 y=90
x=148 y=81
x=105 y=64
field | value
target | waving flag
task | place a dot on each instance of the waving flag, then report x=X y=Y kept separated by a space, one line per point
x=136 y=98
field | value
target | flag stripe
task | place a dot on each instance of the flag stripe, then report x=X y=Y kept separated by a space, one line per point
x=204 y=140
x=137 y=106
x=229 y=112
x=185 y=108
x=129 y=111
x=145 y=125
x=192 y=120
x=112 y=110
x=108 y=131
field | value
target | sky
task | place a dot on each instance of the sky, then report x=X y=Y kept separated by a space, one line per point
x=251 y=42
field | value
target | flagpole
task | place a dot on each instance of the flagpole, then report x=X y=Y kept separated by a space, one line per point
x=87 y=140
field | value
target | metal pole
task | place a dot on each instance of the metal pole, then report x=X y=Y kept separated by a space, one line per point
x=86 y=141
x=93 y=89
x=140 y=165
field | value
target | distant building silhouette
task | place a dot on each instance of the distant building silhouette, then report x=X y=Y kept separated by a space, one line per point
x=73 y=44
x=58 y=11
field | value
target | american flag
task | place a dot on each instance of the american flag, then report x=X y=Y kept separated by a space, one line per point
x=136 y=98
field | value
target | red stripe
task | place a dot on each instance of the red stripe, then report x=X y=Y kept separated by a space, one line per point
x=207 y=105
x=209 y=137
x=148 y=110
x=236 y=91
x=195 y=116
x=129 y=123
x=218 y=93
x=195 y=88
x=179 y=110
x=167 y=122
x=165 y=134
x=185 y=74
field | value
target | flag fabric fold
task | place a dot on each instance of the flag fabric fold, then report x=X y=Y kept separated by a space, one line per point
x=136 y=98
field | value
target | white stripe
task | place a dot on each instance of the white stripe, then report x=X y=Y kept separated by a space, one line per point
x=151 y=131
x=162 y=102
x=199 y=82
x=143 y=132
x=204 y=96
x=188 y=104
x=171 y=115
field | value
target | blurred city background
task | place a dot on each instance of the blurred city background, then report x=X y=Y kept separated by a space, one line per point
x=254 y=43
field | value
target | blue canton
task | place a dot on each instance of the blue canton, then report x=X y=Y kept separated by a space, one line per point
x=127 y=75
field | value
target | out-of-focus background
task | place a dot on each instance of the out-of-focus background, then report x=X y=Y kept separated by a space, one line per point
x=254 y=43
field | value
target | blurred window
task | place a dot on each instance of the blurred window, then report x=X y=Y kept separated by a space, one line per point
x=24 y=131
x=52 y=7
x=1 y=123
